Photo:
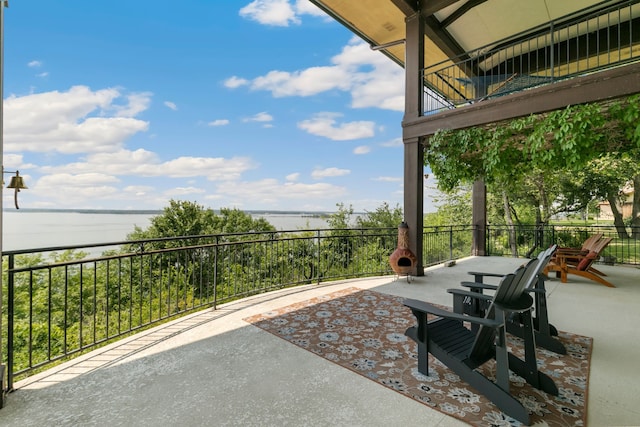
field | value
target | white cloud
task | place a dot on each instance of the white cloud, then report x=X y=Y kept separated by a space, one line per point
x=329 y=173
x=293 y=177
x=308 y=8
x=136 y=104
x=370 y=77
x=214 y=168
x=270 y=12
x=379 y=82
x=270 y=192
x=90 y=179
x=90 y=190
x=138 y=190
x=218 y=122
x=388 y=179
x=147 y=164
x=235 y=82
x=183 y=191
x=281 y=13
x=362 y=149
x=396 y=142
x=38 y=64
x=171 y=105
x=16 y=161
x=325 y=124
x=122 y=162
x=304 y=83
x=76 y=189
x=76 y=121
x=260 y=117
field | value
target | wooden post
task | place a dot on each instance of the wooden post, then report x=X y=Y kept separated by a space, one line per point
x=479 y=213
x=413 y=148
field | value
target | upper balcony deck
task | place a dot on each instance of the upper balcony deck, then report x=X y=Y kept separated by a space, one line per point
x=213 y=368
x=582 y=43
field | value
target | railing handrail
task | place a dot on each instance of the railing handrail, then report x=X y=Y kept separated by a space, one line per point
x=91 y=301
x=176 y=238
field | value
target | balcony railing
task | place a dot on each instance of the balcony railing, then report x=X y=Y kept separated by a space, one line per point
x=587 y=41
x=63 y=301
x=529 y=240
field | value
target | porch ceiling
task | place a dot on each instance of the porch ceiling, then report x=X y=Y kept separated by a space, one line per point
x=453 y=28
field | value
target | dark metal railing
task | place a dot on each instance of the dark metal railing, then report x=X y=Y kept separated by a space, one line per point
x=67 y=300
x=592 y=39
x=529 y=240
x=63 y=301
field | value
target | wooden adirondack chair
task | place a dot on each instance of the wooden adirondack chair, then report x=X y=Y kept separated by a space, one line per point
x=463 y=350
x=580 y=265
x=572 y=255
x=473 y=304
x=586 y=247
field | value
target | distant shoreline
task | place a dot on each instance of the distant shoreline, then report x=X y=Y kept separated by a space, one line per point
x=159 y=211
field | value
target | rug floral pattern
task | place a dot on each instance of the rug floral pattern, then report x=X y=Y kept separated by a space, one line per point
x=363 y=331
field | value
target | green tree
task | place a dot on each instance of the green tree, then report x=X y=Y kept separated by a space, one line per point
x=453 y=208
x=207 y=243
x=603 y=179
x=383 y=216
x=627 y=117
x=186 y=218
x=528 y=158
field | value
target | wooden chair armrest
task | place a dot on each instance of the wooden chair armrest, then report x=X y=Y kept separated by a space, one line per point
x=564 y=257
x=570 y=251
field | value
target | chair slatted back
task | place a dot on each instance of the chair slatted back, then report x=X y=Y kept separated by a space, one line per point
x=534 y=268
x=591 y=241
x=483 y=345
x=585 y=263
x=602 y=243
x=510 y=290
x=507 y=294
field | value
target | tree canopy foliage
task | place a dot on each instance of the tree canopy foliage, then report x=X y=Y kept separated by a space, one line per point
x=568 y=138
x=186 y=218
x=562 y=159
x=383 y=216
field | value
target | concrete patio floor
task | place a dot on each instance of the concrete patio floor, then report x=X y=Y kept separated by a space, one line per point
x=212 y=368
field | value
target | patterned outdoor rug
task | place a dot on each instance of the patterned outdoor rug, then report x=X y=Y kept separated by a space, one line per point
x=363 y=331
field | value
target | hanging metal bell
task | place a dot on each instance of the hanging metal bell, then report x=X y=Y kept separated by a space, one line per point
x=17 y=182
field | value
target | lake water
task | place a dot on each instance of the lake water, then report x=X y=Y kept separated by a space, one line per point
x=30 y=230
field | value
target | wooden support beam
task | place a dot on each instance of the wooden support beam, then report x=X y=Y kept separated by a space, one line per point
x=479 y=214
x=408 y=7
x=601 y=86
x=413 y=148
x=430 y=7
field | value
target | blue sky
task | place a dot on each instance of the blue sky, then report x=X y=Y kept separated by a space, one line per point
x=256 y=105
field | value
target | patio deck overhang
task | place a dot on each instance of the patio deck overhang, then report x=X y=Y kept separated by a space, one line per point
x=213 y=368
